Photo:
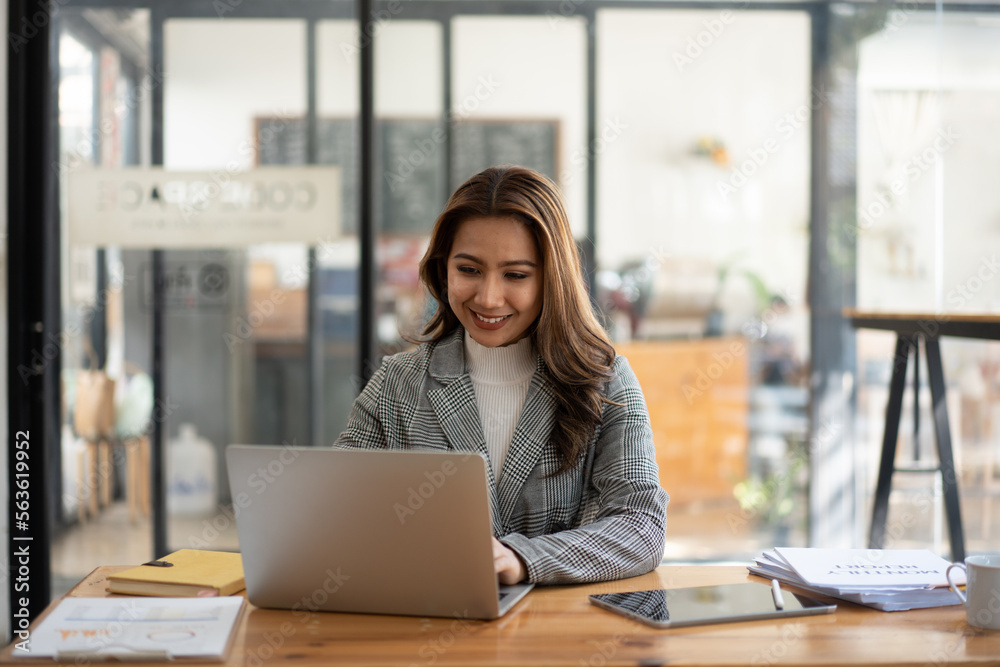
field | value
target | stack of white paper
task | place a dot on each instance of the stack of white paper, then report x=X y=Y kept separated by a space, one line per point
x=887 y=579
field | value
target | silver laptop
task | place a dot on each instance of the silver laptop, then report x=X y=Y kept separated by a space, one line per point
x=378 y=532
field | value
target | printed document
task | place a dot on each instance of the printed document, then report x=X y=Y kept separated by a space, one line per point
x=140 y=628
x=886 y=579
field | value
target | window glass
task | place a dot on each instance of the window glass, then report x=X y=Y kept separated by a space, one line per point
x=703 y=150
x=233 y=100
x=703 y=153
x=106 y=398
x=927 y=152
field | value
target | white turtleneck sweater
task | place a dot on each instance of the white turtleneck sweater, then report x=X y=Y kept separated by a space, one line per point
x=500 y=377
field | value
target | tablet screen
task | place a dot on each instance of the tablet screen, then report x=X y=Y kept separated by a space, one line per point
x=708 y=604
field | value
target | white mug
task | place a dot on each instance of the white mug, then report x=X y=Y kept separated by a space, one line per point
x=982 y=590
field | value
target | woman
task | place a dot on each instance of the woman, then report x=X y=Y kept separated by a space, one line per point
x=515 y=365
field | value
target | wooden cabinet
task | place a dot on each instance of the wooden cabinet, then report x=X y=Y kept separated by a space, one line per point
x=697 y=395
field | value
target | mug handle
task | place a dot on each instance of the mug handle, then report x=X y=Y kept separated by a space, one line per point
x=951 y=584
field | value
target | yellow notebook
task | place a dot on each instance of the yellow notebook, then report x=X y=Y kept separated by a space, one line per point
x=192 y=573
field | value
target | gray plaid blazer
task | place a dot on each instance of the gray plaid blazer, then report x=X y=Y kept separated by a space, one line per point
x=605 y=520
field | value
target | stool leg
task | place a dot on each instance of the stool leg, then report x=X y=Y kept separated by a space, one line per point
x=880 y=511
x=939 y=405
x=131 y=470
x=81 y=481
x=105 y=471
x=143 y=477
x=92 y=478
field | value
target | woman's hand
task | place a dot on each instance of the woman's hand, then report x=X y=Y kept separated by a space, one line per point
x=507 y=564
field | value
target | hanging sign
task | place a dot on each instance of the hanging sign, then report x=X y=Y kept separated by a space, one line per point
x=150 y=207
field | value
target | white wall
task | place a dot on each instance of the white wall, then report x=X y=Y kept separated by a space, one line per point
x=926 y=248
x=408 y=81
x=653 y=194
x=535 y=68
x=222 y=75
x=672 y=77
x=407 y=61
x=219 y=76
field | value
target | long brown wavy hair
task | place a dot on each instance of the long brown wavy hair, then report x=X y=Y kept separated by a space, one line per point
x=571 y=342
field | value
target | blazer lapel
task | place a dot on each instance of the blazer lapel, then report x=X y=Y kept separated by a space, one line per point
x=456 y=409
x=530 y=439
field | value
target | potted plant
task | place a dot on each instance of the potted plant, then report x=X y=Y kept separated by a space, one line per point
x=762 y=295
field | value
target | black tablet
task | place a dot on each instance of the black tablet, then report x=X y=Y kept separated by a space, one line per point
x=703 y=605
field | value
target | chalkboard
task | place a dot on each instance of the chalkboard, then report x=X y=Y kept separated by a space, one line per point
x=410 y=160
x=478 y=144
x=283 y=141
x=411 y=164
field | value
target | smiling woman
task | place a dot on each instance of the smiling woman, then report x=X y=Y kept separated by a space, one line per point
x=516 y=367
x=495 y=280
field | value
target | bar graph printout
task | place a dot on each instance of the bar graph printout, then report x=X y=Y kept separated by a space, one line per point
x=142 y=628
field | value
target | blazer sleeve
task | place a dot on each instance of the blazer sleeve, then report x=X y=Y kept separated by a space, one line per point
x=364 y=428
x=622 y=524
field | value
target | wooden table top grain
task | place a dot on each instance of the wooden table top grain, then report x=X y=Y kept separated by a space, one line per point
x=556 y=625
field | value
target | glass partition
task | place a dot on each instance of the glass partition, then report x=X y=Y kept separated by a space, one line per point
x=928 y=92
x=703 y=208
x=106 y=394
x=707 y=125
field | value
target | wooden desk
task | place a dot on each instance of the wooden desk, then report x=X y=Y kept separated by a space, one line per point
x=557 y=626
x=910 y=328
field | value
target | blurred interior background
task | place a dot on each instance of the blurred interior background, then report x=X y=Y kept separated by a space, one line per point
x=736 y=175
